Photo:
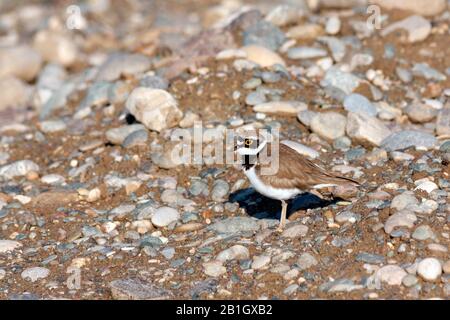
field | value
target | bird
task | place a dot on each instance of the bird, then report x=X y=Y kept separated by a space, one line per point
x=296 y=173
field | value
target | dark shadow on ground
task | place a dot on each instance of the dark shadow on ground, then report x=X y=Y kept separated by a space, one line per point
x=261 y=207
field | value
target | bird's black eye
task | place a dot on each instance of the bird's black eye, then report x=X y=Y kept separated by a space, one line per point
x=248 y=142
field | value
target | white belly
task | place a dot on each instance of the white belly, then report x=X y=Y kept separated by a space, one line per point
x=268 y=191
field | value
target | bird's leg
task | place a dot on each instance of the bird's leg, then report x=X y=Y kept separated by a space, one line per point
x=283 y=215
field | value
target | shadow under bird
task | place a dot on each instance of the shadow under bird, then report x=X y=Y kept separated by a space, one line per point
x=296 y=173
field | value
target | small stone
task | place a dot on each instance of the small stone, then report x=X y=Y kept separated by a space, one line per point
x=255 y=98
x=333 y=25
x=305 y=31
x=235 y=224
x=236 y=252
x=446 y=267
x=34 y=274
x=9 y=245
x=119 y=64
x=306 y=261
x=359 y=104
x=391 y=275
x=280 y=107
x=370 y=258
x=18 y=169
x=53 y=179
x=410 y=280
x=347 y=82
x=400 y=219
x=136 y=289
x=404 y=74
x=284 y=14
x=155 y=108
x=297 y=231
x=418 y=28
x=420 y=112
x=214 y=268
x=365 y=128
x=291 y=289
x=118 y=135
x=22 y=62
x=154 y=82
x=427 y=186
x=164 y=216
x=220 y=190
x=422 y=7
x=429 y=269
x=15 y=93
x=56 y=47
x=260 y=262
x=298 y=53
x=402 y=201
x=264 y=34
x=136 y=138
x=262 y=56
x=329 y=125
x=408 y=138
x=52 y=126
x=443 y=120
x=424 y=70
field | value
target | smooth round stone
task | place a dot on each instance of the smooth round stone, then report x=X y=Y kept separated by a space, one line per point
x=423 y=233
x=358 y=103
x=264 y=34
x=342 y=143
x=270 y=77
x=214 y=268
x=252 y=83
x=391 y=274
x=262 y=56
x=198 y=187
x=429 y=269
x=220 y=190
x=427 y=186
x=420 y=112
x=236 y=252
x=34 y=274
x=445 y=147
x=118 y=135
x=410 y=280
x=399 y=219
x=408 y=138
x=260 y=262
x=164 y=216
x=404 y=75
x=446 y=267
x=333 y=25
x=254 y=98
x=135 y=138
x=329 y=125
x=298 y=53
x=53 y=179
x=2 y=274
x=9 y=245
x=404 y=200
x=154 y=82
x=296 y=231
x=306 y=261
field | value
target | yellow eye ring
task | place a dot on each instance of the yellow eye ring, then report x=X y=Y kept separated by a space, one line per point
x=248 y=142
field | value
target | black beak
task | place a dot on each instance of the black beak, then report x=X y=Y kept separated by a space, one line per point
x=235 y=147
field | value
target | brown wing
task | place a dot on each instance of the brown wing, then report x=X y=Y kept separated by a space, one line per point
x=297 y=171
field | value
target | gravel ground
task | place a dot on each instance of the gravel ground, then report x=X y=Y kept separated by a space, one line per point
x=92 y=205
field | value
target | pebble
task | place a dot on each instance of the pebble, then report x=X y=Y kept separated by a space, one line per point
x=400 y=219
x=260 y=262
x=391 y=275
x=262 y=56
x=418 y=28
x=236 y=252
x=280 y=107
x=136 y=289
x=2 y=274
x=443 y=121
x=120 y=63
x=20 y=61
x=52 y=126
x=329 y=125
x=404 y=200
x=284 y=14
x=136 y=138
x=296 y=231
x=306 y=261
x=255 y=98
x=235 y=224
x=429 y=269
x=34 y=274
x=410 y=280
x=370 y=258
x=298 y=53
x=16 y=93
x=53 y=179
x=446 y=267
x=214 y=268
x=56 y=47
x=404 y=74
x=408 y=138
x=420 y=112
x=264 y=34
x=365 y=128
x=427 y=186
x=118 y=135
x=18 y=169
x=424 y=70
x=359 y=104
x=347 y=82
x=220 y=190
x=333 y=25
x=9 y=245
x=154 y=82
x=155 y=108
x=305 y=31
x=422 y=7
x=164 y=216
